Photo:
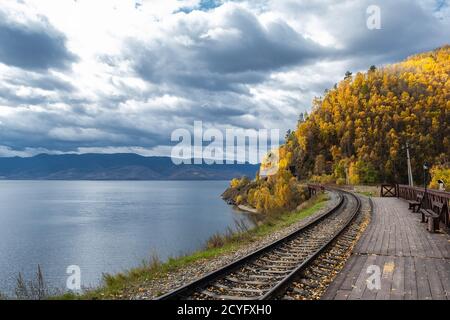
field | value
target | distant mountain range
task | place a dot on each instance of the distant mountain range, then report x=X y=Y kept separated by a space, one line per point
x=115 y=167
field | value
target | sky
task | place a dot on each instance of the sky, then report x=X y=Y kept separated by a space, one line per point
x=107 y=76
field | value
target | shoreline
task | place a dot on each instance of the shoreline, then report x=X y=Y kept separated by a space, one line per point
x=157 y=277
x=247 y=209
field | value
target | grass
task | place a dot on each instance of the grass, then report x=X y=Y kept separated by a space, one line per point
x=33 y=289
x=117 y=286
x=368 y=191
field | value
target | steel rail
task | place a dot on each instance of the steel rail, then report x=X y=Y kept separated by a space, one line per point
x=184 y=291
x=284 y=283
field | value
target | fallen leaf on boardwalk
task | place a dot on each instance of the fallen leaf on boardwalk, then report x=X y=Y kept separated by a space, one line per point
x=389 y=267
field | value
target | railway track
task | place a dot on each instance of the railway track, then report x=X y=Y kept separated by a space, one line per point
x=270 y=271
x=313 y=281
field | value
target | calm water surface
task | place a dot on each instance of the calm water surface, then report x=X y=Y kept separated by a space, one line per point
x=103 y=226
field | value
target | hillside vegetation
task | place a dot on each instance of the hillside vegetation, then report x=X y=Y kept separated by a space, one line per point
x=357 y=130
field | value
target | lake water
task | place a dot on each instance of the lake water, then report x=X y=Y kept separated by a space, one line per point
x=103 y=226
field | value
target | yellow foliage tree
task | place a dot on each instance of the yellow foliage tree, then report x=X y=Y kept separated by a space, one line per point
x=440 y=173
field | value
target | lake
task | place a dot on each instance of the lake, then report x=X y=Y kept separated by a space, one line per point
x=103 y=226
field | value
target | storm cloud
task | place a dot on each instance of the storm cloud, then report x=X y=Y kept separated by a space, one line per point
x=224 y=50
x=33 y=46
x=106 y=75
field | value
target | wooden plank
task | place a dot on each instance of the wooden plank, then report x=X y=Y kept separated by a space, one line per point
x=373 y=230
x=361 y=282
x=386 y=236
x=420 y=230
x=398 y=235
x=423 y=286
x=386 y=278
x=381 y=234
x=331 y=291
x=372 y=294
x=391 y=249
x=442 y=240
x=405 y=250
x=437 y=291
x=365 y=239
x=422 y=246
x=443 y=269
x=404 y=227
x=353 y=273
x=398 y=280
x=430 y=246
x=342 y=295
x=445 y=239
x=409 y=242
x=430 y=238
x=371 y=241
x=410 y=279
x=370 y=232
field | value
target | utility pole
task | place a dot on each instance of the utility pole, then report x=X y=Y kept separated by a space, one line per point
x=347 y=180
x=426 y=167
x=410 y=176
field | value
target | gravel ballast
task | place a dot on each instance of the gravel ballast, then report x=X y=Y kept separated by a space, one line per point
x=151 y=289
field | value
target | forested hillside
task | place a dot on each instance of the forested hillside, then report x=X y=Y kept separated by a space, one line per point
x=357 y=131
x=365 y=121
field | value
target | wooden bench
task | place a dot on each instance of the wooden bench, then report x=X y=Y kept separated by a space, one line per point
x=432 y=217
x=415 y=205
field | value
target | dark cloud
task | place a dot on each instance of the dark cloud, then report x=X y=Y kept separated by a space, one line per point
x=255 y=47
x=34 y=46
x=224 y=57
x=407 y=27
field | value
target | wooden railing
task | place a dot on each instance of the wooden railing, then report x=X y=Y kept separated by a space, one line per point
x=389 y=190
x=411 y=193
x=315 y=189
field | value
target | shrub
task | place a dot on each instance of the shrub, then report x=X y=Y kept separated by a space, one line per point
x=361 y=172
x=440 y=173
x=33 y=289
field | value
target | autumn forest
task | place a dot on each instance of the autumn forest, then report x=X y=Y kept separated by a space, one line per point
x=357 y=133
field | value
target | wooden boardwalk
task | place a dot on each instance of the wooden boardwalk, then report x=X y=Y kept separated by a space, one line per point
x=414 y=263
